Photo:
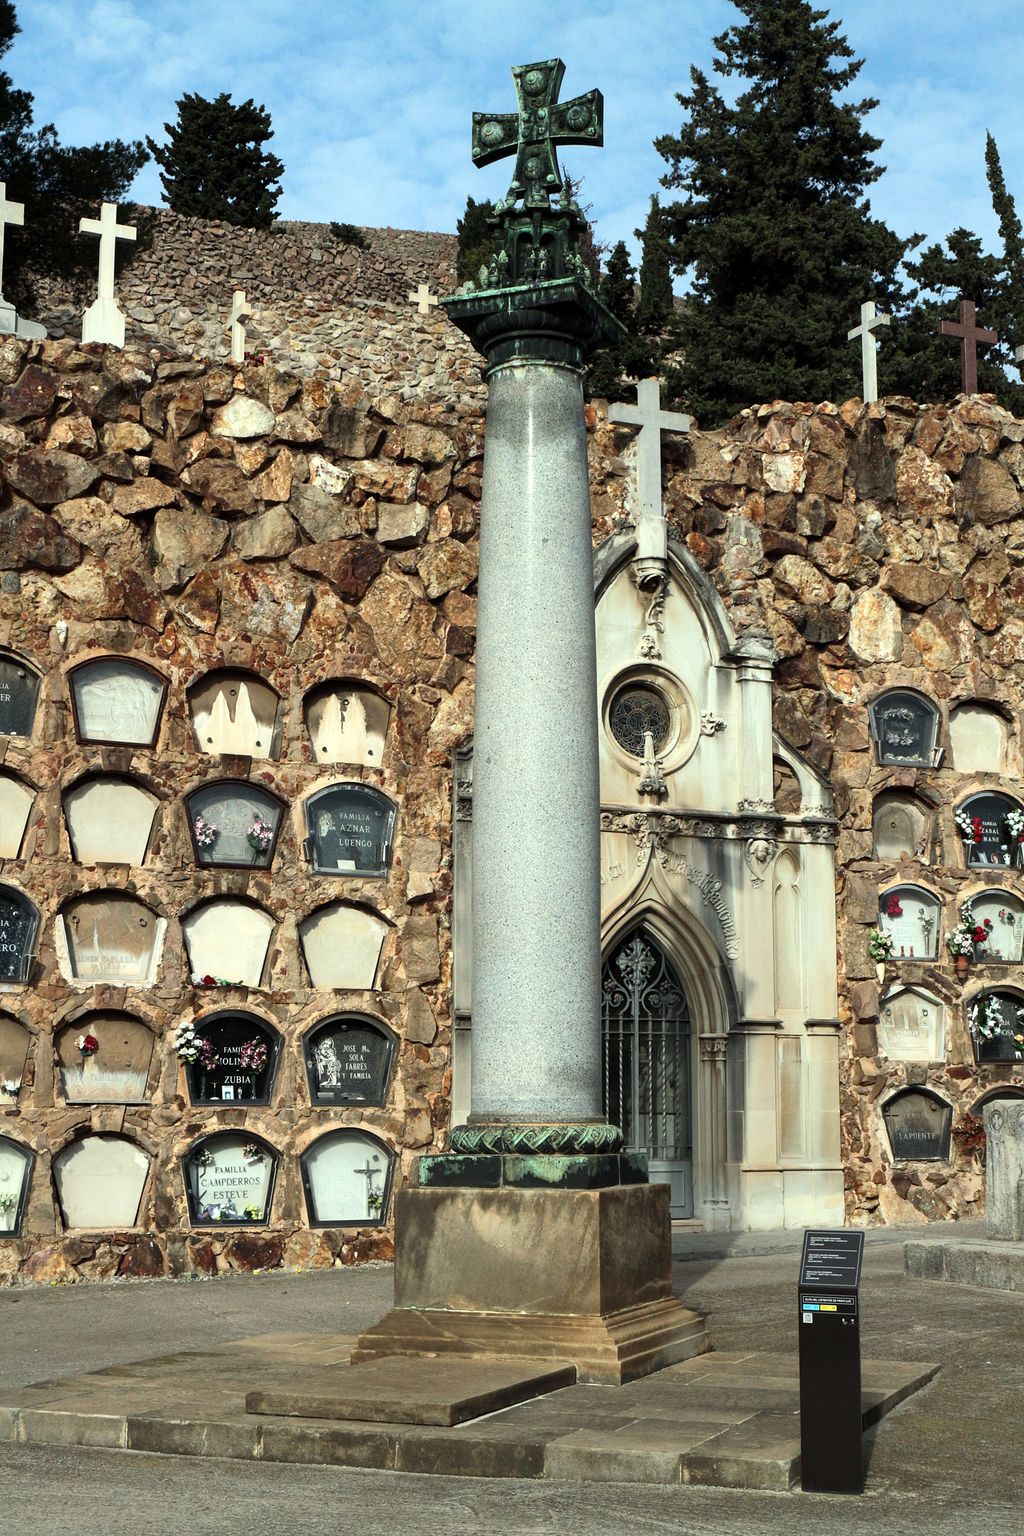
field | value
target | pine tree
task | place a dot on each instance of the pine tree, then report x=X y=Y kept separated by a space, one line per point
x=773 y=224
x=476 y=239
x=58 y=184
x=214 y=163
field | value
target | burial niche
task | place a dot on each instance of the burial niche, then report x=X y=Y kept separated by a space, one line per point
x=19 y=924
x=227 y=942
x=995 y=1020
x=229 y=1057
x=918 y=1124
x=1001 y=915
x=346 y=723
x=991 y=828
x=350 y=830
x=347 y=1178
x=104 y=1058
x=905 y=726
x=15 y=1167
x=109 y=820
x=19 y=695
x=229 y=1177
x=901 y=826
x=15 y=806
x=979 y=738
x=99 y=1181
x=348 y=1060
x=912 y=1026
x=116 y=700
x=14 y=1043
x=913 y=917
x=341 y=945
x=108 y=936
x=233 y=824
x=235 y=712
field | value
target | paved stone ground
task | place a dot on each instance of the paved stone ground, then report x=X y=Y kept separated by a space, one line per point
x=947 y=1459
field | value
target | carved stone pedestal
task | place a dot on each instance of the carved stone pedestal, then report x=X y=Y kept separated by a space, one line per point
x=577 y=1275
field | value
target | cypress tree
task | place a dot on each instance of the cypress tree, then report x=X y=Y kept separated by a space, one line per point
x=655 y=307
x=610 y=362
x=1012 y=237
x=214 y=163
x=476 y=238
x=773 y=223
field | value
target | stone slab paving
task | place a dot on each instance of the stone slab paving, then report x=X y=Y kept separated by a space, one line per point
x=728 y=1419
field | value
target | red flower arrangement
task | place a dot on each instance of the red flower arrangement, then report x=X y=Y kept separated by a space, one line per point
x=88 y=1045
x=893 y=908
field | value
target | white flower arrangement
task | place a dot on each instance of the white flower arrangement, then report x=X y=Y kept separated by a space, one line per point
x=880 y=945
x=185 y=1042
x=985 y=1017
x=11 y=1086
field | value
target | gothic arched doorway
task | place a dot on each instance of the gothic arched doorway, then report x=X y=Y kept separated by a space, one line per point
x=645 y=1031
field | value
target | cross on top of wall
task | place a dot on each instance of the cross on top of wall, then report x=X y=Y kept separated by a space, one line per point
x=103 y=321
x=970 y=333
x=870 y=322
x=648 y=415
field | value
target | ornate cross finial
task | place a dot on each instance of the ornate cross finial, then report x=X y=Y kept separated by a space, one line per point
x=970 y=333
x=533 y=132
x=869 y=323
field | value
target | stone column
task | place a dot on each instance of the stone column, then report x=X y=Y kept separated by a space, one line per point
x=1004 y=1169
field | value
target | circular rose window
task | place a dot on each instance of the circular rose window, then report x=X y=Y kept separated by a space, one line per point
x=635 y=713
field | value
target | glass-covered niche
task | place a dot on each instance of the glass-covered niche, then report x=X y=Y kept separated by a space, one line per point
x=235 y=712
x=912 y=1026
x=912 y=916
x=233 y=823
x=227 y=940
x=107 y=936
x=901 y=826
x=15 y=1172
x=918 y=1124
x=229 y=1057
x=905 y=726
x=347 y=723
x=15 y=807
x=979 y=738
x=229 y=1177
x=347 y=1177
x=1001 y=917
x=100 y=1180
x=991 y=828
x=109 y=820
x=19 y=695
x=104 y=1058
x=995 y=1020
x=341 y=945
x=19 y=924
x=348 y=1060
x=351 y=827
x=14 y=1045
x=116 y=700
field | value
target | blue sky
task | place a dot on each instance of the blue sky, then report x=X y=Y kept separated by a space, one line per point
x=371 y=99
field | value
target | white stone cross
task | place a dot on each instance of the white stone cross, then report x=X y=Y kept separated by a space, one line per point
x=103 y=321
x=10 y=213
x=869 y=323
x=240 y=313
x=648 y=415
x=422 y=298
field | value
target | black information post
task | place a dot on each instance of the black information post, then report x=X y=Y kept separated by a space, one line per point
x=831 y=1431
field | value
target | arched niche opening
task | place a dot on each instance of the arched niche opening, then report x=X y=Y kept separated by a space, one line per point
x=19 y=695
x=341 y=945
x=19 y=925
x=104 y=1058
x=995 y=1020
x=918 y=1123
x=16 y=800
x=1005 y=1093
x=347 y=722
x=786 y=788
x=905 y=728
x=979 y=738
x=1000 y=914
x=347 y=1177
x=230 y=1057
x=227 y=940
x=235 y=712
x=350 y=830
x=100 y=1180
x=912 y=1026
x=991 y=829
x=15 y=1176
x=116 y=701
x=229 y=1178
x=109 y=820
x=901 y=826
x=913 y=918
x=108 y=936
x=15 y=1040
x=348 y=1060
x=234 y=824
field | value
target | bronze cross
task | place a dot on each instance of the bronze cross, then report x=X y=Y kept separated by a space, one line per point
x=533 y=132
x=970 y=334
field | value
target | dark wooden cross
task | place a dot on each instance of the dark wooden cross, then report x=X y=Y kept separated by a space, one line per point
x=970 y=334
x=533 y=132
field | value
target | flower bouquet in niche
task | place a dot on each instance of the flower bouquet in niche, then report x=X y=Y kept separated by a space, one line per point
x=8 y=1210
x=962 y=940
x=1013 y=831
x=970 y=827
x=995 y=1037
x=259 y=837
x=204 y=833
x=880 y=948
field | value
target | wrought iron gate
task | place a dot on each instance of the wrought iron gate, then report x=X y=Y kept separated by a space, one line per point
x=645 y=1027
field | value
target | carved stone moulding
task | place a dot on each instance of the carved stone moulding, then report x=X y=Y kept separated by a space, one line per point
x=590 y=1137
